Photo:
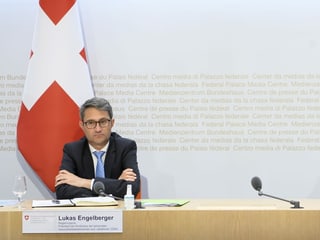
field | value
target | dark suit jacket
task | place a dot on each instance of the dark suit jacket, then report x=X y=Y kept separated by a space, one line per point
x=77 y=159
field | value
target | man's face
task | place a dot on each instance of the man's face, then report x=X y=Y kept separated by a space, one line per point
x=99 y=135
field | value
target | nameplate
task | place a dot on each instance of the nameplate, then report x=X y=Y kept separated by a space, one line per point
x=72 y=221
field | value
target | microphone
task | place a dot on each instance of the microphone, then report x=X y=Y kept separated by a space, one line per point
x=257 y=185
x=98 y=188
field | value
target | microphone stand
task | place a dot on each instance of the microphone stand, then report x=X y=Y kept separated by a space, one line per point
x=296 y=204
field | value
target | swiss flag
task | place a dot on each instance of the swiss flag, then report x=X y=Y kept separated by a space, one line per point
x=57 y=83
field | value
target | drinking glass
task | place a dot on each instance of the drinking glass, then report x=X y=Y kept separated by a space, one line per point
x=19 y=187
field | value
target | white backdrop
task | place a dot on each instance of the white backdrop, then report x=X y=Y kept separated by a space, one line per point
x=214 y=92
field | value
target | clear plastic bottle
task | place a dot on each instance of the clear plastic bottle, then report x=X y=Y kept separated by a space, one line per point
x=129 y=198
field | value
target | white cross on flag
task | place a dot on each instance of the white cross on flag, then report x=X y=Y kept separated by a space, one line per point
x=57 y=83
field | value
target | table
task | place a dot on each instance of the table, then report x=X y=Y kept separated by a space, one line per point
x=201 y=219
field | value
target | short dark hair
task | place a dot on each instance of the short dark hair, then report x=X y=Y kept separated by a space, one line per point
x=98 y=103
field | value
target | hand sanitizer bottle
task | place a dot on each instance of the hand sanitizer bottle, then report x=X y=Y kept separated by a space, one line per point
x=129 y=198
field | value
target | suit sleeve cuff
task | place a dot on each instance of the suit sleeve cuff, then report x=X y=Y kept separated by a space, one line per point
x=92 y=181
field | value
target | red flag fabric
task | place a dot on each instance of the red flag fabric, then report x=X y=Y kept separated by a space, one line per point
x=57 y=83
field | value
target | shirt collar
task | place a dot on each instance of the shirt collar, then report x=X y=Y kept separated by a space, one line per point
x=105 y=148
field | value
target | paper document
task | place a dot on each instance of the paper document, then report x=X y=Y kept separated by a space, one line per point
x=163 y=202
x=85 y=201
x=94 y=201
x=5 y=203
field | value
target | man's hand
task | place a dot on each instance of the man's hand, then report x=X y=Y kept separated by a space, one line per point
x=65 y=177
x=128 y=175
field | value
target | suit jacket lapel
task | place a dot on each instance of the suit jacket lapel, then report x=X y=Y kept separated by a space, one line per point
x=110 y=157
x=88 y=162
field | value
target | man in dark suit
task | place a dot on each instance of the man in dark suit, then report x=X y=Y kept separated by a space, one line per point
x=80 y=166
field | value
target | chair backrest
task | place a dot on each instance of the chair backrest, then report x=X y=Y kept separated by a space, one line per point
x=139 y=195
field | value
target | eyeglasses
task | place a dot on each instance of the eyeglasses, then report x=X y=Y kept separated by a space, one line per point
x=102 y=123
